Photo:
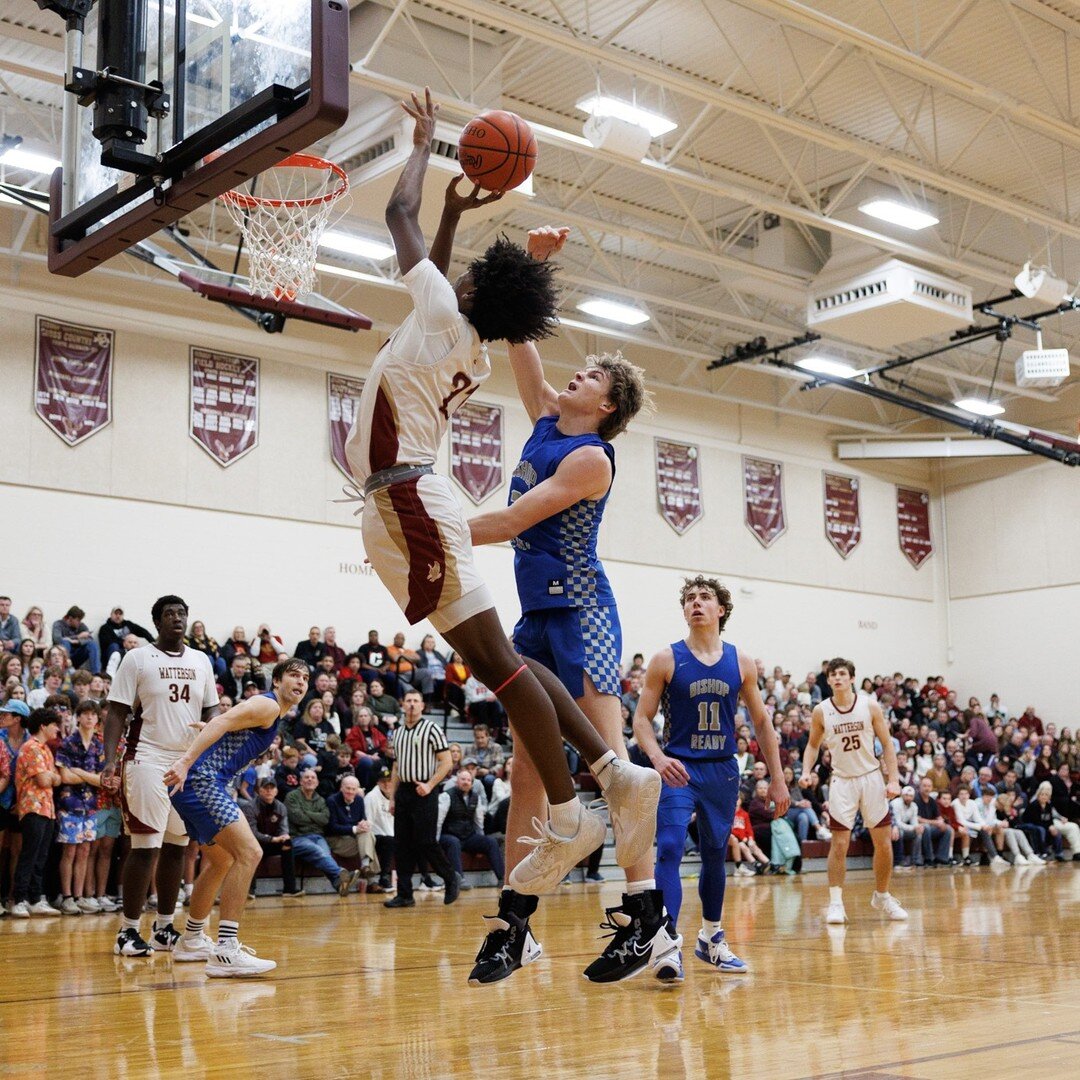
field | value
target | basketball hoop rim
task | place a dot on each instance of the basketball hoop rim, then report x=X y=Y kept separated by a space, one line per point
x=243 y=201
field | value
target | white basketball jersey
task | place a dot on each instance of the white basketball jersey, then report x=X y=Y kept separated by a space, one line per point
x=167 y=695
x=426 y=371
x=850 y=737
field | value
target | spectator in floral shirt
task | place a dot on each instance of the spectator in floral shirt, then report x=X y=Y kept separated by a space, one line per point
x=80 y=759
x=35 y=778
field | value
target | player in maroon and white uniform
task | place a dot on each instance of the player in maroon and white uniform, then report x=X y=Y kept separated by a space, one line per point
x=848 y=723
x=415 y=533
x=166 y=690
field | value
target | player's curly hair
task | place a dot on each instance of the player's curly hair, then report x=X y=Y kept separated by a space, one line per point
x=721 y=592
x=162 y=602
x=515 y=296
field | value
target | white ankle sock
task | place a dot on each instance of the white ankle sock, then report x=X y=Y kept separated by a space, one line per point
x=128 y=924
x=599 y=768
x=836 y=894
x=194 y=927
x=565 y=818
x=710 y=929
x=226 y=931
x=645 y=885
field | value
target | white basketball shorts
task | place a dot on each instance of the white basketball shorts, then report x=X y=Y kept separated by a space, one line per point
x=848 y=795
x=149 y=816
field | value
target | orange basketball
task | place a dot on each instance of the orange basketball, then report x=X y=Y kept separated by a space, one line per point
x=497 y=150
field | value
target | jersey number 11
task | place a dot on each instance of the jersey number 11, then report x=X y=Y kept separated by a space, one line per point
x=708 y=716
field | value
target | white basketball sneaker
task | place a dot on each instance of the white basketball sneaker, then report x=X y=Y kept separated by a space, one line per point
x=632 y=796
x=836 y=913
x=235 y=961
x=554 y=856
x=889 y=904
x=188 y=950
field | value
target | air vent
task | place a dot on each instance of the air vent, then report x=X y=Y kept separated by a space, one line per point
x=887 y=304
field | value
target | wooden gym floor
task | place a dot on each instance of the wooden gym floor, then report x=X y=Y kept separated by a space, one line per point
x=983 y=981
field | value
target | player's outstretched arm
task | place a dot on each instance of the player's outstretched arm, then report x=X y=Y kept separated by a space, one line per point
x=584 y=474
x=454 y=205
x=888 y=751
x=252 y=713
x=403 y=209
x=766 y=734
x=657 y=676
x=813 y=743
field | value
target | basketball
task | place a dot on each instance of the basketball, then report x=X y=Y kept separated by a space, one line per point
x=497 y=150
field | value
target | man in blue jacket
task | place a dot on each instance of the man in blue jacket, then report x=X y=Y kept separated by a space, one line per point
x=349 y=832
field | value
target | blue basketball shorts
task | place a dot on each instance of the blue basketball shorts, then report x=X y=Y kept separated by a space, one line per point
x=712 y=793
x=206 y=805
x=573 y=641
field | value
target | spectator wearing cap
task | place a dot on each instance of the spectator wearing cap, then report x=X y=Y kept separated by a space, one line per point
x=35 y=777
x=907 y=832
x=269 y=821
x=937 y=837
x=13 y=736
x=377 y=811
x=349 y=832
x=114 y=629
x=74 y=637
x=462 y=813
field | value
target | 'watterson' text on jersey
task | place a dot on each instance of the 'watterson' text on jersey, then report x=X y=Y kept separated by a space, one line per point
x=849 y=735
x=167 y=696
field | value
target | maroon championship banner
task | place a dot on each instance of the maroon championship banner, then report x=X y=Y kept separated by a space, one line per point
x=73 y=378
x=913 y=520
x=763 y=496
x=224 y=404
x=476 y=440
x=843 y=522
x=678 y=483
x=342 y=402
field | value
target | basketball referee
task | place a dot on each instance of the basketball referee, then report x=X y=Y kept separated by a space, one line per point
x=422 y=763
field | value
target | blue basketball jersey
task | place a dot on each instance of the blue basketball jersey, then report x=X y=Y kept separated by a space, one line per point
x=555 y=561
x=235 y=750
x=699 y=705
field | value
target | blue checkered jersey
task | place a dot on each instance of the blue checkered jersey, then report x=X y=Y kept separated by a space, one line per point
x=235 y=750
x=555 y=561
x=699 y=705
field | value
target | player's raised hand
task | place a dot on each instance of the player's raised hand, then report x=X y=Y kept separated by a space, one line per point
x=672 y=771
x=457 y=204
x=176 y=775
x=546 y=241
x=424 y=113
x=779 y=794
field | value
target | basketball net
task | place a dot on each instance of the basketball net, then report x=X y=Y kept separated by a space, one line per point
x=283 y=225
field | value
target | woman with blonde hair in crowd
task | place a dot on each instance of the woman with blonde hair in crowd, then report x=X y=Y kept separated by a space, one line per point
x=34 y=628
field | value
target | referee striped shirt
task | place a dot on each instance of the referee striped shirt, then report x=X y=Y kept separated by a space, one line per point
x=415 y=749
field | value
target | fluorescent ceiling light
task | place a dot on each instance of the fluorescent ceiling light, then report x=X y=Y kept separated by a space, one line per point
x=979 y=407
x=356 y=245
x=898 y=213
x=18 y=158
x=608 y=309
x=825 y=365
x=601 y=105
x=355 y=275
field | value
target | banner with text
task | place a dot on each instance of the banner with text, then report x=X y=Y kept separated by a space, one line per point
x=913 y=521
x=763 y=496
x=342 y=401
x=73 y=378
x=678 y=483
x=843 y=522
x=476 y=441
x=224 y=404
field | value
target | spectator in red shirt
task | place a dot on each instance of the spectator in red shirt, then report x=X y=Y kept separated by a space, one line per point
x=1031 y=721
x=35 y=778
x=748 y=857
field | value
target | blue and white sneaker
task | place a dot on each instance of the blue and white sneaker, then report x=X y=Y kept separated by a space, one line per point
x=668 y=969
x=717 y=953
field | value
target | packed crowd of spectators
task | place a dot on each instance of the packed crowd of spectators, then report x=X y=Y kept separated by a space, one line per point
x=990 y=784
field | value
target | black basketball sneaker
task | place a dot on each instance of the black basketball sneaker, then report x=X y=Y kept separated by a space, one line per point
x=642 y=935
x=509 y=943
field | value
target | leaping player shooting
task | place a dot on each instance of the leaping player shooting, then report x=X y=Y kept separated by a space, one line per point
x=415 y=533
x=848 y=723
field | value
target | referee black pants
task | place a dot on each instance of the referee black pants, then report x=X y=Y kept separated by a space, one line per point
x=416 y=819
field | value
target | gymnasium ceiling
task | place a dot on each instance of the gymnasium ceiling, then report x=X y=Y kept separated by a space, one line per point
x=786 y=112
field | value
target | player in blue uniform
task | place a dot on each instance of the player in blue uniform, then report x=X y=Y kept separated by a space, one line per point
x=698 y=681
x=199 y=788
x=569 y=620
